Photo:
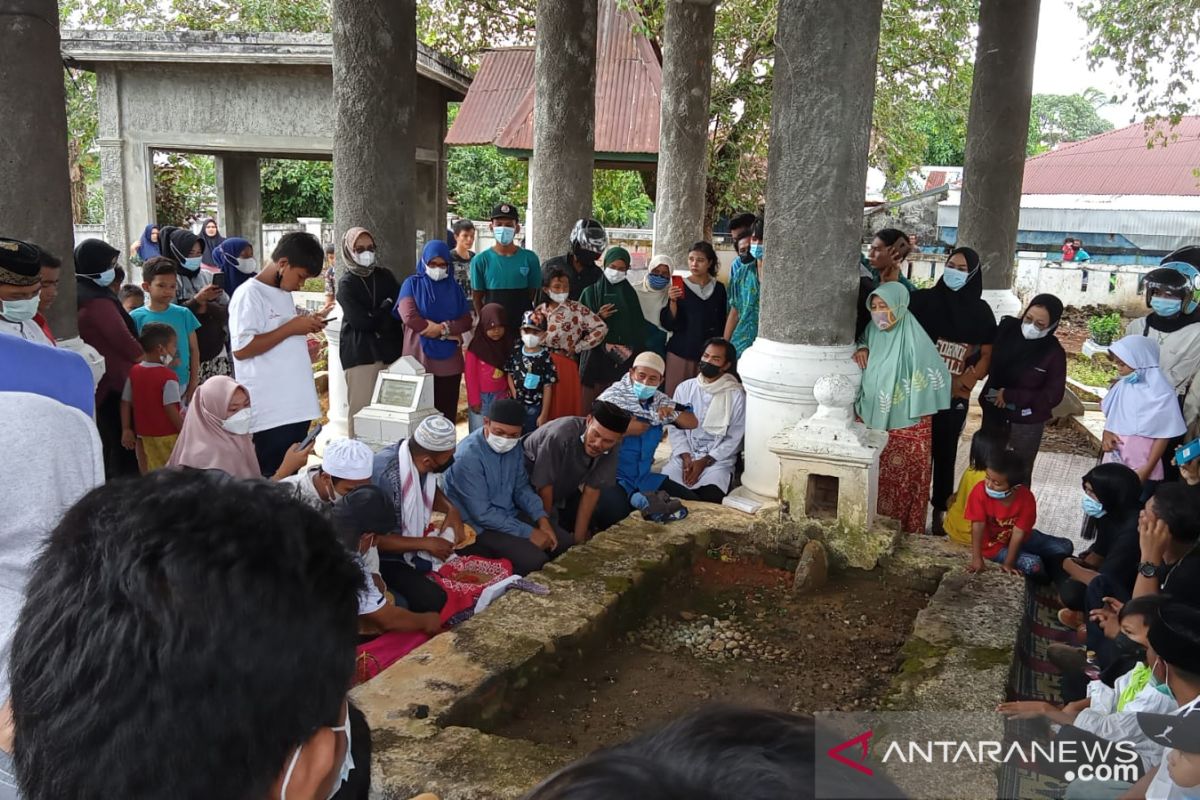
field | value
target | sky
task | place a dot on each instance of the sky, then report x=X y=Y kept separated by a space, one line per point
x=1060 y=68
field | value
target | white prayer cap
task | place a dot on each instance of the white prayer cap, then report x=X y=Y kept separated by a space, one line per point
x=348 y=459
x=436 y=434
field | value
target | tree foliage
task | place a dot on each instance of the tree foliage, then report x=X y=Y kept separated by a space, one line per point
x=1058 y=118
x=183 y=184
x=292 y=189
x=1152 y=43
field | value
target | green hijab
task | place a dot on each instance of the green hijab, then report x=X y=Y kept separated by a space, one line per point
x=628 y=325
x=905 y=378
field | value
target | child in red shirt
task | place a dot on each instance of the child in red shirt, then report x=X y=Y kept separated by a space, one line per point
x=151 y=417
x=1002 y=513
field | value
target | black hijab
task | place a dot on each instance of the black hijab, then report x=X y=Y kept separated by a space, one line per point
x=211 y=243
x=94 y=257
x=179 y=242
x=956 y=316
x=1012 y=353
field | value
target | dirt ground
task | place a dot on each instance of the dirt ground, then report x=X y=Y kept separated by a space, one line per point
x=833 y=650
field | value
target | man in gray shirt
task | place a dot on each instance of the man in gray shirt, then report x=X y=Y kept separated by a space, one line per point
x=571 y=459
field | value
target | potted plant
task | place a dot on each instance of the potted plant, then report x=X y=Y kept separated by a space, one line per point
x=1102 y=331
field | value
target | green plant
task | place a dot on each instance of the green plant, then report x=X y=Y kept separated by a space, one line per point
x=1098 y=372
x=314 y=285
x=1104 y=329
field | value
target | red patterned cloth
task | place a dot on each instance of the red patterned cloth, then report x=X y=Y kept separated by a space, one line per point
x=572 y=328
x=905 y=471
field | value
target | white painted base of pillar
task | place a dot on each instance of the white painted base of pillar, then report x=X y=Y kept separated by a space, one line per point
x=339 y=401
x=779 y=379
x=90 y=354
x=1004 y=302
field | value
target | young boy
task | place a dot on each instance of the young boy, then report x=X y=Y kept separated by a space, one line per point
x=358 y=518
x=131 y=297
x=531 y=371
x=150 y=413
x=159 y=281
x=1002 y=513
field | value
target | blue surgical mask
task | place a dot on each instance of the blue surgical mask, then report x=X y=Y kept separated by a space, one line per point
x=19 y=310
x=756 y=250
x=105 y=278
x=1093 y=507
x=1133 y=377
x=504 y=235
x=643 y=391
x=955 y=279
x=1166 y=306
x=192 y=263
x=995 y=494
x=658 y=282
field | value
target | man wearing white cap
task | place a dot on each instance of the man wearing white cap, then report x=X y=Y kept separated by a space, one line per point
x=345 y=466
x=407 y=474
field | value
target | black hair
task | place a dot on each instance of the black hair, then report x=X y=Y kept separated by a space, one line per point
x=129 y=290
x=1148 y=606
x=1068 y=240
x=155 y=334
x=118 y=275
x=159 y=265
x=1178 y=505
x=757 y=231
x=301 y=249
x=742 y=221
x=986 y=441
x=364 y=510
x=330 y=249
x=731 y=356
x=461 y=225
x=709 y=253
x=716 y=752
x=1117 y=487
x=219 y=634
x=1008 y=464
x=1175 y=636
x=551 y=272
x=48 y=259
x=889 y=236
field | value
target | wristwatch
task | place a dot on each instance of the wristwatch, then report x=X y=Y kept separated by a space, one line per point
x=1148 y=569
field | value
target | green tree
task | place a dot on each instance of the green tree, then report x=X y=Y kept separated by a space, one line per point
x=183 y=184
x=479 y=178
x=1058 y=118
x=293 y=189
x=620 y=199
x=1152 y=43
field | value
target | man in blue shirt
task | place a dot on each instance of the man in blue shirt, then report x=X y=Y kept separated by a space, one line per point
x=41 y=369
x=488 y=484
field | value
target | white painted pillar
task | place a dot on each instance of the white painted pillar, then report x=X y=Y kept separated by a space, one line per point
x=339 y=401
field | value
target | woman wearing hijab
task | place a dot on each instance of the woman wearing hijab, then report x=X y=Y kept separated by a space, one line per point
x=571 y=330
x=694 y=315
x=195 y=291
x=1141 y=411
x=216 y=431
x=617 y=304
x=904 y=383
x=1028 y=376
x=652 y=295
x=236 y=259
x=105 y=325
x=371 y=338
x=962 y=326
x=486 y=356
x=147 y=247
x=211 y=237
x=436 y=314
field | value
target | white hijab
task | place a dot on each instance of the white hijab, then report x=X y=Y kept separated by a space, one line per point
x=652 y=300
x=1149 y=406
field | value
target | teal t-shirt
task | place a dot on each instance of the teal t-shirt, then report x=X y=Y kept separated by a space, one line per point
x=183 y=321
x=491 y=271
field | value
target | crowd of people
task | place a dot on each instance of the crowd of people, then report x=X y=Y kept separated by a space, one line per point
x=575 y=369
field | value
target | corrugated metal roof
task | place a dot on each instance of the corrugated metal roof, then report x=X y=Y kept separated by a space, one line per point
x=504 y=78
x=628 y=92
x=1118 y=162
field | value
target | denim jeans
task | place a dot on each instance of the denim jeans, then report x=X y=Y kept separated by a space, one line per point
x=475 y=421
x=1040 y=552
x=531 y=417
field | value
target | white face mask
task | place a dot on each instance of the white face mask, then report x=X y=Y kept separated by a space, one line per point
x=559 y=297
x=614 y=275
x=249 y=266
x=365 y=259
x=1031 y=331
x=239 y=422
x=531 y=340
x=343 y=773
x=437 y=273
x=501 y=444
x=166 y=359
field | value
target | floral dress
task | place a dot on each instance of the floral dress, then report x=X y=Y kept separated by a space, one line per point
x=571 y=328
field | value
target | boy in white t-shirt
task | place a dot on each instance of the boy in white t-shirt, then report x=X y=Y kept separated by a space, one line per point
x=270 y=345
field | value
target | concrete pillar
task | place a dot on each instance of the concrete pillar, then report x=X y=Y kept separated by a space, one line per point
x=239 y=199
x=564 y=117
x=35 y=203
x=824 y=87
x=374 y=80
x=683 y=127
x=997 y=129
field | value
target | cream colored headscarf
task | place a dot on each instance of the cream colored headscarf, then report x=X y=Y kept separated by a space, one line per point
x=348 y=252
x=653 y=300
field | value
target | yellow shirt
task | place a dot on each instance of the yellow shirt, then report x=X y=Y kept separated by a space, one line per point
x=957 y=527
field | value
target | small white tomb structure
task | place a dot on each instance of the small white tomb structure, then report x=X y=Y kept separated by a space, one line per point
x=403 y=397
x=829 y=462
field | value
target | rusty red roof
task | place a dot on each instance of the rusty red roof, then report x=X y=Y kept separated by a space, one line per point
x=1119 y=162
x=499 y=105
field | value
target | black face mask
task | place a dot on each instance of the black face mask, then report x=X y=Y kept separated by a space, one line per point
x=586 y=256
x=708 y=370
x=1128 y=647
x=443 y=467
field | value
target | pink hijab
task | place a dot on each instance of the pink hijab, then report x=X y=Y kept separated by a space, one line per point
x=204 y=443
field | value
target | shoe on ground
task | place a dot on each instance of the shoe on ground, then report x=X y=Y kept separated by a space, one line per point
x=1068 y=658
